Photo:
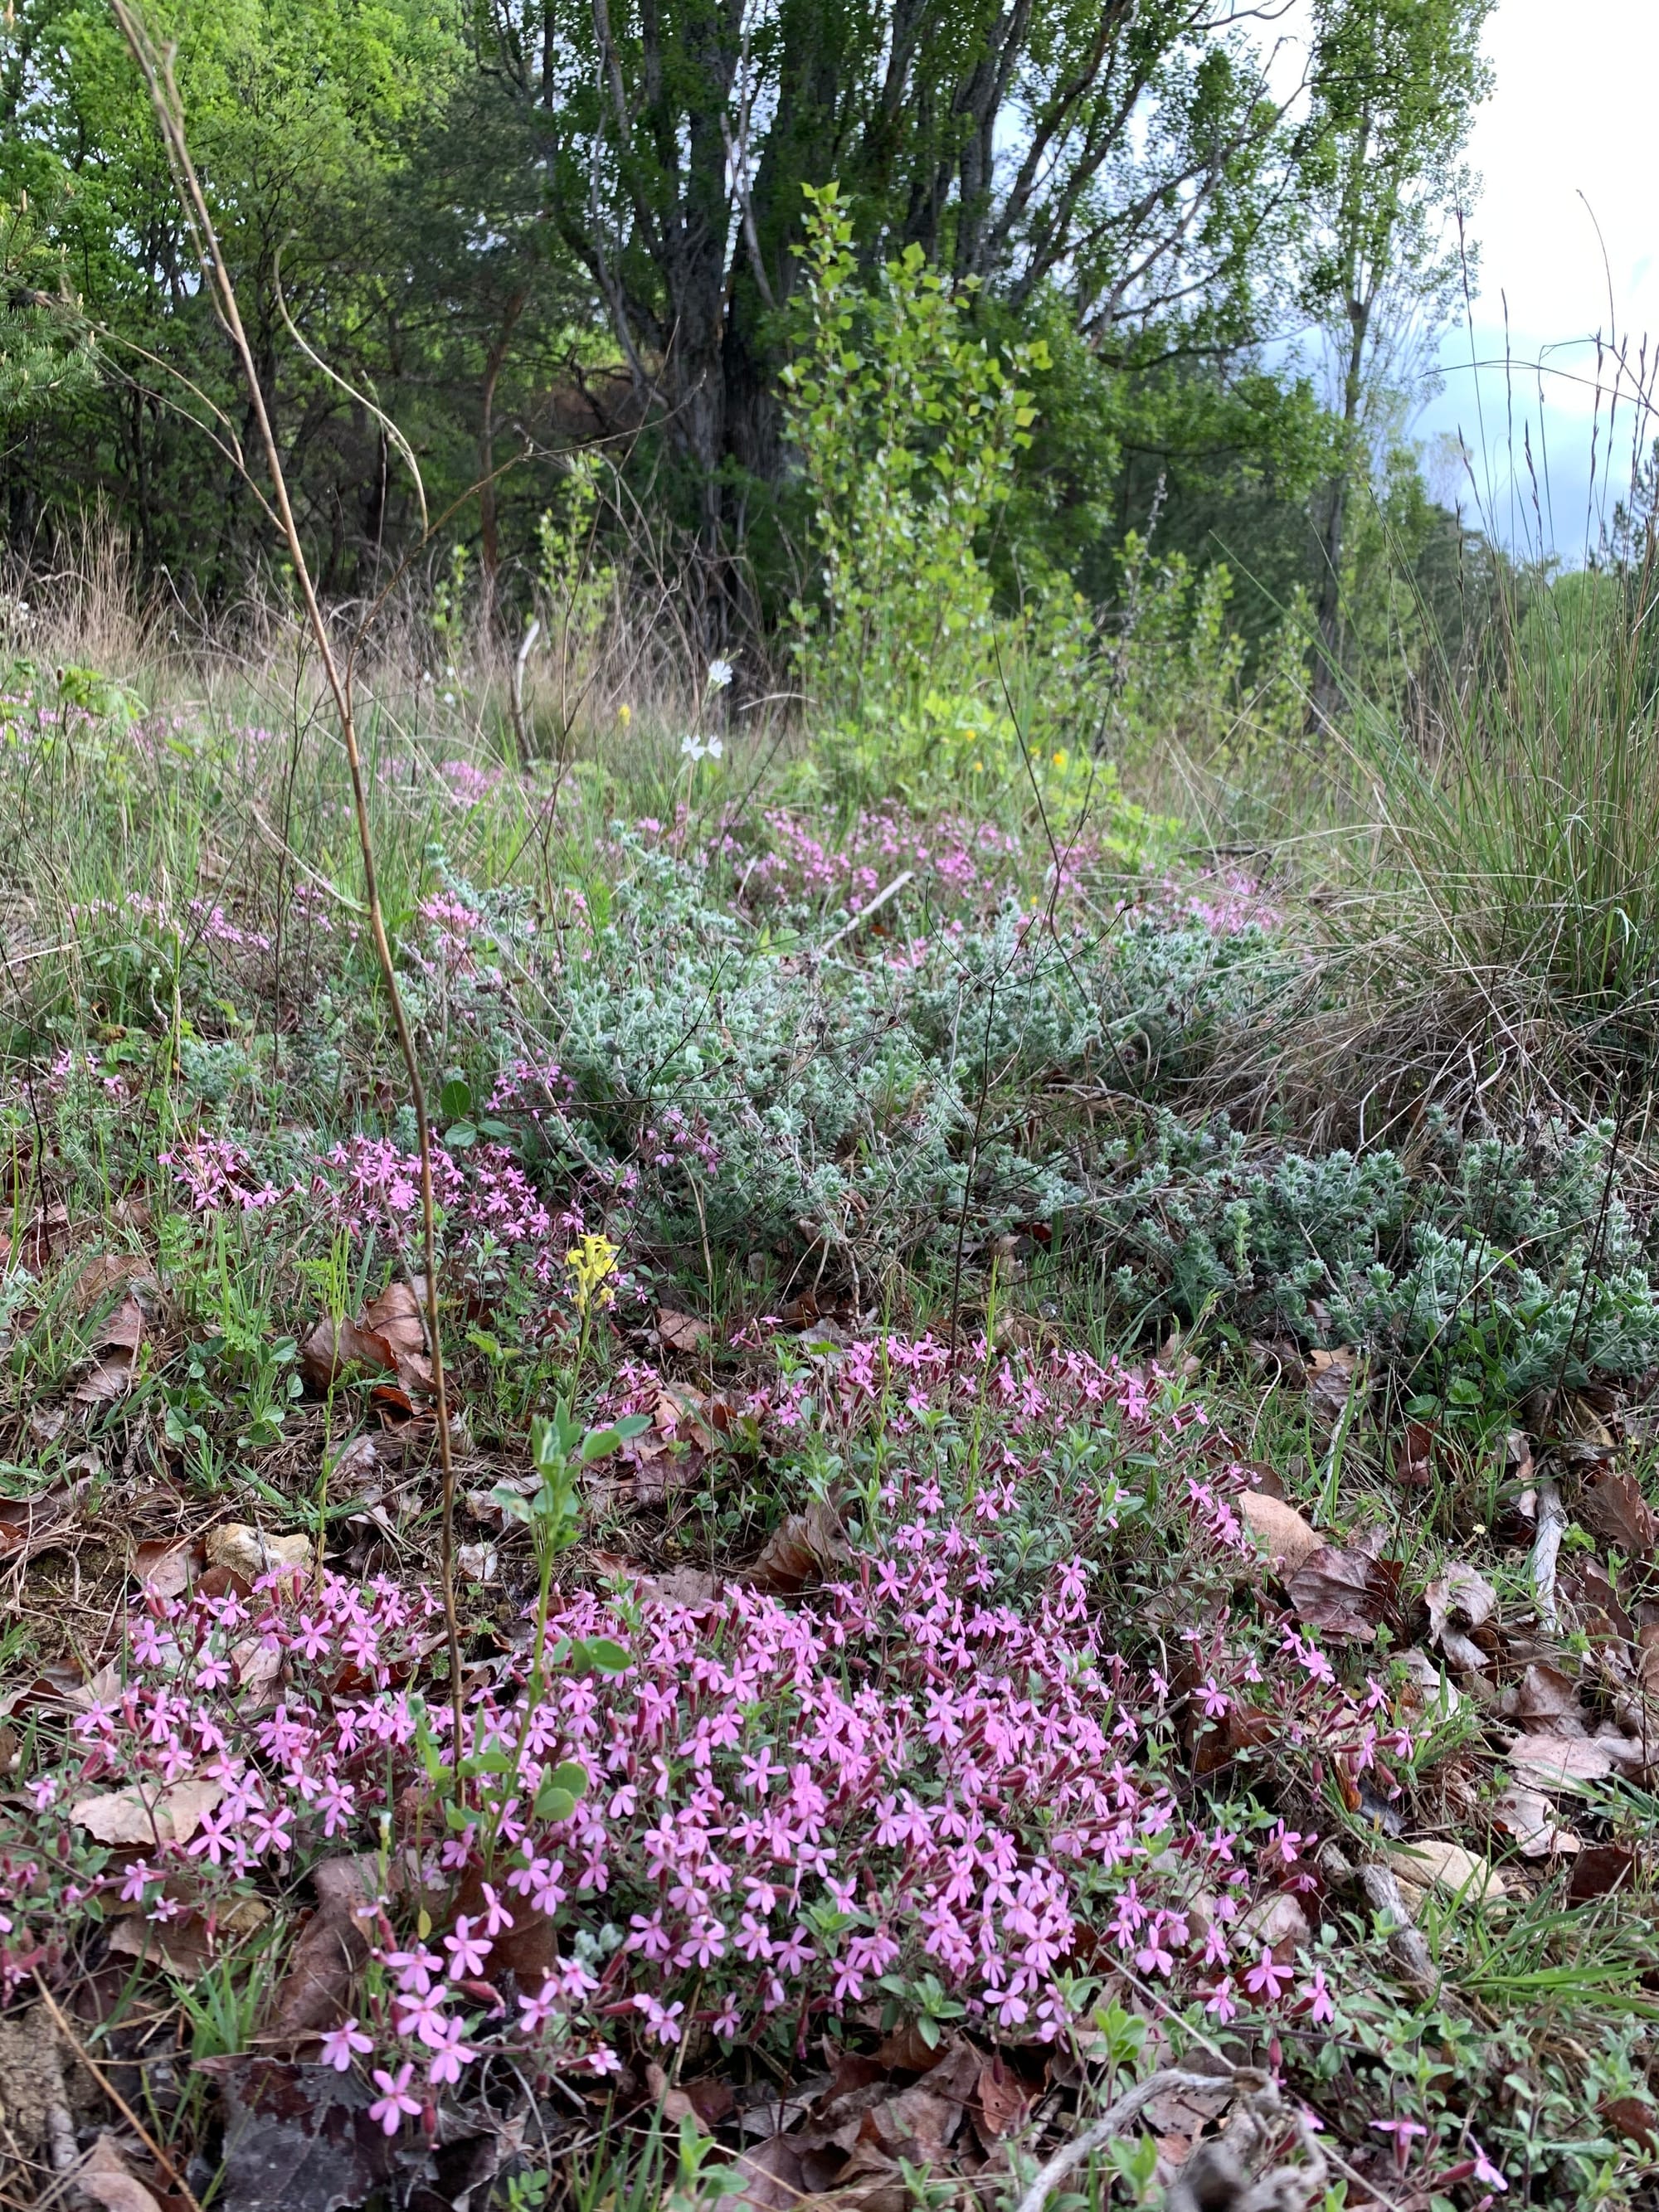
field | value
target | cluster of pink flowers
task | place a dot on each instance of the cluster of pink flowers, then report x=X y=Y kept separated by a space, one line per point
x=790 y=1808
x=956 y=856
x=453 y=925
x=202 y=920
x=1225 y=901
x=367 y=1184
x=536 y=1091
x=311 y=908
x=67 y=1067
x=676 y=1138
x=219 y=1174
x=468 y=784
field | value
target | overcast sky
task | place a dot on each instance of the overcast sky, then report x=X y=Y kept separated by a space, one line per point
x=1565 y=145
x=1565 y=148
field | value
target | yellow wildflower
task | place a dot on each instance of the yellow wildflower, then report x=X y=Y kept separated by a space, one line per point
x=590 y=1262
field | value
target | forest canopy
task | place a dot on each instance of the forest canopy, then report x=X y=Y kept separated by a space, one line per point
x=523 y=229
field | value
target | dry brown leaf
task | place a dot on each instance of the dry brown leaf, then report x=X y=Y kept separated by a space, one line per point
x=479 y=1562
x=775 y=2179
x=1598 y=1870
x=1613 y=1507
x=116 y=1353
x=41 y=1234
x=1629 y=1754
x=681 y=1331
x=679 y=1413
x=184 y=1946
x=1330 y=1383
x=105 y=1272
x=1545 y=1700
x=131 y=1817
x=259 y=1669
x=1459 y=1595
x=1458 y=1600
x=905 y=2049
x=295 y=2142
x=27 y=1525
x=104 y=2176
x=1242 y=1727
x=1182 y=2114
x=1003 y=2100
x=1588 y=1590
x=1528 y=1818
x=658 y=1469
x=800 y=1550
x=388 y=1336
x=249 y=1552
x=687 y=1586
x=164 y=1569
x=1278 y=1528
x=1413 y=1456
x=333 y=1946
x=1559 y=1762
x=1431 y=1689
x=356 y=1469
x=1345 y=1593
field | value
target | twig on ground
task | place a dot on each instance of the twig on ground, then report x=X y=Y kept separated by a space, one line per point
x=865 y=912
x=1545 y=1551
x=1384 y=1895
x=1112 y=2122
x=114 y=2095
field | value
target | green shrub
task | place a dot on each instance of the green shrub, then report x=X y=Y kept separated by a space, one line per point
x=1484 y=1270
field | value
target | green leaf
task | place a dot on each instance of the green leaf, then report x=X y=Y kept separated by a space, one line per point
x=455 y=1099
x=570 y=1775
x=600 y=1653
x=460 y=1135
x=553 y=1803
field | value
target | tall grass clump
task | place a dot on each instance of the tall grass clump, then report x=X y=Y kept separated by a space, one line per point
x=1512 y=848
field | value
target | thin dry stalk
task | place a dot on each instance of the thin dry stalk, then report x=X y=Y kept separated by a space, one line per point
x=101 y=2076
x=157 y=73
x=1118 y=2114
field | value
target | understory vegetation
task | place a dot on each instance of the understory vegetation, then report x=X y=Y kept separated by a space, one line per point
x=829 y=1285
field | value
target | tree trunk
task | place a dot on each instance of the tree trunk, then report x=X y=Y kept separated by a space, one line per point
x=489 y=544
x=1328 y=662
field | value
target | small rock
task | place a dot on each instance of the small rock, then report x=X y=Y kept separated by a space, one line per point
x=250 y=1553
x=1428 y=1863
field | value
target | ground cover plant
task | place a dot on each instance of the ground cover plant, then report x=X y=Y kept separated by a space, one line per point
x=980 y=1582
x=841 y=1390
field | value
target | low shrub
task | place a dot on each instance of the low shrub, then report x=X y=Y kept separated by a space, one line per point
x=1481 y=1267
